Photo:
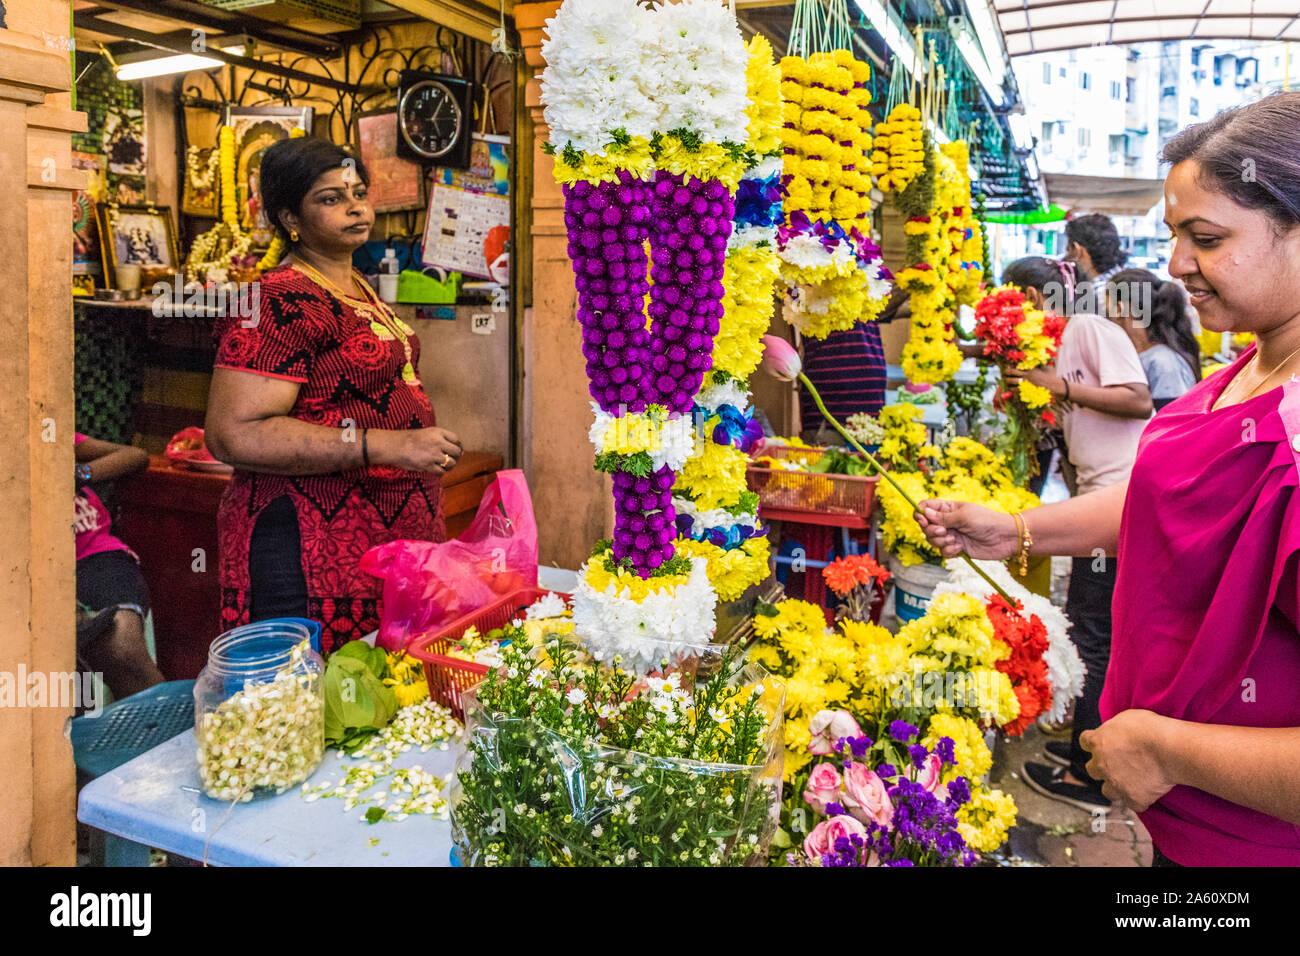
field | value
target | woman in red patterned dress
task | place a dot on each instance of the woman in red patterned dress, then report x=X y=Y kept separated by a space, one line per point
x=316 y=401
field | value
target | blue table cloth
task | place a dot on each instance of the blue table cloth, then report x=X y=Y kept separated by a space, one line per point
x=155 y=800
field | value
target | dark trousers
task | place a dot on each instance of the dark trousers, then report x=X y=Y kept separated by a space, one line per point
x=276 y=583
x=1088 y=608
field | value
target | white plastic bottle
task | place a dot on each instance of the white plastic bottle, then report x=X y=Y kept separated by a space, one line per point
x=388 y=269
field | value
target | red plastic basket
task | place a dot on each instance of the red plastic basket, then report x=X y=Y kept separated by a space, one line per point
x=449 y=677
x=806 y=491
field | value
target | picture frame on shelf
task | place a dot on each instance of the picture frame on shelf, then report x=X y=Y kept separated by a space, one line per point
x=143 y=235
x=396 y=183
x=255 y=129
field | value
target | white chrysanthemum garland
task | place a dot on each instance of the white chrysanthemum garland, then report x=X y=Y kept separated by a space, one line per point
x=1065 y=669
x=643 y=621
x=598 y=77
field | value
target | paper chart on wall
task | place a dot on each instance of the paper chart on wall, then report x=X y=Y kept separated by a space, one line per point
x=466 y=231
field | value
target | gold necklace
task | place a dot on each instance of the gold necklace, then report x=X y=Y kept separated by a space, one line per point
x=1254 y=363
x=384 y=323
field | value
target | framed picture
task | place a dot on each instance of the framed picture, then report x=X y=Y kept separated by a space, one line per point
x=137 y=235
x=124 y=141
x=200 y=197
x=394 y=180
x=256 y=128
x=86 y=256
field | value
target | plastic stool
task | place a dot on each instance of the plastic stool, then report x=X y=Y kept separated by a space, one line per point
x=124 y=730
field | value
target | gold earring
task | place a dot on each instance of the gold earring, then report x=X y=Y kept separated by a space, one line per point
x=293 y=235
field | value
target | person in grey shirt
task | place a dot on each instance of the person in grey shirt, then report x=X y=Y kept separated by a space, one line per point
x=1154 y=315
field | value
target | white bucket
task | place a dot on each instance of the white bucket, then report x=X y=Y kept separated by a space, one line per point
x=914 y=587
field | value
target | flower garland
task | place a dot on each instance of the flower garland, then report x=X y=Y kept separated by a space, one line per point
x=834 y=275
x=899 y=157
x=640 y=621
x=629 y=158
x=718 y=521
x=226 y=148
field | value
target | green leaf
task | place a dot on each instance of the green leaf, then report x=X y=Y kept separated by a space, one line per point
x=355 y=696
x=375 y=814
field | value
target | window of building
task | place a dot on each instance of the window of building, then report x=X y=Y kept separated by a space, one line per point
x=1116 y=90
x=1130 y=90
x=1048 y=130
x=1194 y=107
x=1085 y=81
x=1047 y=73
x=1062 y=71
x=1117 y=146
x=1085 y=137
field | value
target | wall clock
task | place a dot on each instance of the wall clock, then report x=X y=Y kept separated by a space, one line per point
x=434 y=118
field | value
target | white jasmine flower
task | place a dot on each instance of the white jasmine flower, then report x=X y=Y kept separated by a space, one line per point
x=597 y=830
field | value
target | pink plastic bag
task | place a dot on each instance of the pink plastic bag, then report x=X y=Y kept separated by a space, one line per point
x=427 y=585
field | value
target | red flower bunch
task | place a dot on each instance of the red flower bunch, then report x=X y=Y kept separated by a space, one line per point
x=854 y=579
x=1027 y=638
x=844 y=574
x=999 y=319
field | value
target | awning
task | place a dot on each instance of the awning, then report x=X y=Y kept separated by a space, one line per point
x=1039 y=26
x=1111 y=195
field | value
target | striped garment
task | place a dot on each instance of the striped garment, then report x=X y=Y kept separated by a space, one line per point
x=848 y=370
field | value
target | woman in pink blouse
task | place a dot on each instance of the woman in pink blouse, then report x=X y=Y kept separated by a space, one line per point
x=1201 y=704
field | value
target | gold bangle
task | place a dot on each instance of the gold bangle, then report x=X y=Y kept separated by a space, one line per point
x=1026 y=542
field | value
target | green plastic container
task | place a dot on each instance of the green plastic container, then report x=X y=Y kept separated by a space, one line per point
x=420 y=288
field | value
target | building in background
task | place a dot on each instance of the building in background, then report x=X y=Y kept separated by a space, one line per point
x=1108 y=111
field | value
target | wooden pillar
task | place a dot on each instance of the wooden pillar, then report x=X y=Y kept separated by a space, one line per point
x=37 y=589
x=572 y=502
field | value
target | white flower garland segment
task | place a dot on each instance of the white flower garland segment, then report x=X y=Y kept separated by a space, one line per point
x=665 y=624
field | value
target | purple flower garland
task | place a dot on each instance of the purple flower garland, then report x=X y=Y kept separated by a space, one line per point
x=644 y=519
x=628 y=366
x=608 y=224
x=688 y=249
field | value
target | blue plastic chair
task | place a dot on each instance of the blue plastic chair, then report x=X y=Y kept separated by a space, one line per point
x=122 y=731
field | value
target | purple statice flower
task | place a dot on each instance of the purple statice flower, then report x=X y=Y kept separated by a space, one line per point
x=923 y=825
x=918 y=754
x=946 y=750
x=835 y=809
x=886 y=770
x=859 y=745
x=958 y=792
x=900 y=862
x=846 y=852
x=902 y=731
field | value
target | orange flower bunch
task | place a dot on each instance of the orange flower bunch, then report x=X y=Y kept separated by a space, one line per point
x=853 y=578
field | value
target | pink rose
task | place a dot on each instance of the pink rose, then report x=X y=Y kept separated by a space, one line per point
x=929 y=777
x=827 y=727
x=823 y=787
x=823 y=836
x=817 y=843
x=866 y=796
